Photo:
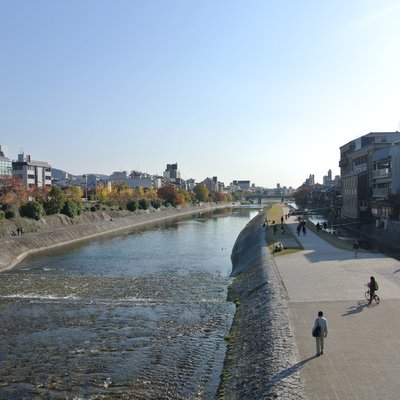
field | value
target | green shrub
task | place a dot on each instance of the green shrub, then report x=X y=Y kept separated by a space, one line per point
x=10 y=214
x=144 y=204
x=71 y=209
x=132 y=205
x=53 y=206
x=95 y=207
x=156 y=203
x=2 y=215
x=33 y=209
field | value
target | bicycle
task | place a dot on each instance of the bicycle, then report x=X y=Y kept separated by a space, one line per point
x=375 y=298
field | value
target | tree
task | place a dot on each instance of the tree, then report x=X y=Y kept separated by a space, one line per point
x=55 y=201
x=74 y=193
x=103 y=193
x=12 y=193
x=187 y=197
x=219 y=196
x=71 y=208
x=301 y=196
x=32 y=209
x=140 y=192
x=180 y=199
x=151 y=194
x=125 y=195
x=168 y=194
x=237 y=196
x=41 y=194
x=201 y=192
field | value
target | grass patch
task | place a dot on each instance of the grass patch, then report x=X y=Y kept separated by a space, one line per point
x=288 y=239
x=286 y=251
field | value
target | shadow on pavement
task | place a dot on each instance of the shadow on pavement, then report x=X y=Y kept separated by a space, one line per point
x=356 y=309
x=289 y=371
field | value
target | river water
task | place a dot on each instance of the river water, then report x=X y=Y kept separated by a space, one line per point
x=141 y=315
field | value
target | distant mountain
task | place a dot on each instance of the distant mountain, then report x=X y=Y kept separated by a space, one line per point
x=58 y=174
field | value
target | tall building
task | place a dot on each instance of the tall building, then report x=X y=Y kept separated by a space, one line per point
x=32 y=173
x=360 y=160
x=5 y=162
x=327 y=179
x=172 y=172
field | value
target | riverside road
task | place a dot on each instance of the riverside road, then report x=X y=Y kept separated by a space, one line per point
x=362 y=350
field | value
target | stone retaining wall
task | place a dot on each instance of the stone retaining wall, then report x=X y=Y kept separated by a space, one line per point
x=261 y=358
x=14 y=248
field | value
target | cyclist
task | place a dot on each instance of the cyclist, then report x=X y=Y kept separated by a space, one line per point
x=372 y=287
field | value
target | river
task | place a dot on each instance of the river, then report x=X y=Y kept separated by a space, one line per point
x=141 y=315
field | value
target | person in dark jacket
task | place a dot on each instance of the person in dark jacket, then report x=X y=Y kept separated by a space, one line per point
x=372 y=288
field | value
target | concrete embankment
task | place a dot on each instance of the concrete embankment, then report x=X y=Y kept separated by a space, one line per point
x=14 y=249
x=261 y=358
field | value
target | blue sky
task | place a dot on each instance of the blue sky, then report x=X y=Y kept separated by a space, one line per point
x=260 y=90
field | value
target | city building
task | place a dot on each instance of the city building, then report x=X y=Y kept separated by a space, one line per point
x=244 y=185
x=139 y=179
x=310 y=181
x=134 y=180
x=118 y=176
x=385 y=181
x=5 y=162
x=190 y=183
x=172 y=177
x=32 y=173
x=358 y=160
x=172 y=172
x=213 y=185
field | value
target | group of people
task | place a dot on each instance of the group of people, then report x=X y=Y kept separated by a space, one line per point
x=318 y=226
x=301 y=227
x=320 y=327
x=20 y=231
x=274 y=226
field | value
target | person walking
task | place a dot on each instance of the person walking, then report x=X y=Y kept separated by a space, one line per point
x=320 y=332
x=356 y=246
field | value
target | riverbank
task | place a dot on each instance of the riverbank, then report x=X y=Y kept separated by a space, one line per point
x=261 y=357
x=61 y=230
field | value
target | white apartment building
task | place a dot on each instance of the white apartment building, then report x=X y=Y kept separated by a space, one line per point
x=32 y=173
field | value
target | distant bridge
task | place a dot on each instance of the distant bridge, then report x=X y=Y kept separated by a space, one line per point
x=259 y=197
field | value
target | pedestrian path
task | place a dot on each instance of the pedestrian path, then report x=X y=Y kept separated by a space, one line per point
x=362 y=350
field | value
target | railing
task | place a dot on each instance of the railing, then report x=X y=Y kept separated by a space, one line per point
x=382 y=173
x=380 y=192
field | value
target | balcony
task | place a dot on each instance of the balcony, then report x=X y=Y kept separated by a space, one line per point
x=380 y=192
x=382 y=173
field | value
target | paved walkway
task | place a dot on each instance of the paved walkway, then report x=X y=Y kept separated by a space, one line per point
x=362 y=350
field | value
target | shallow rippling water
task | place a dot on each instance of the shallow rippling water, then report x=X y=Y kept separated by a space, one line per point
x=138 y=316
